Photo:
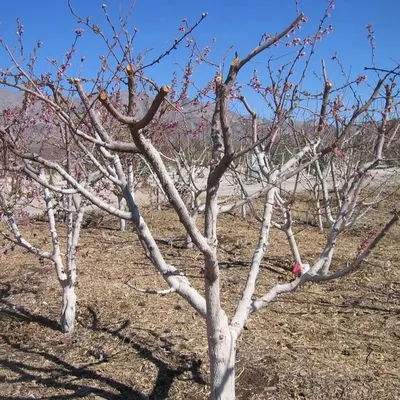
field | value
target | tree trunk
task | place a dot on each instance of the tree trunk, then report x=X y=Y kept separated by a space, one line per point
x=223 y=369
x=318 y=208
x=244 y=207
x=188 y=240
x=158 y=199
x=293 y=245
x=68 y=307
x=221 y=349
x=122 y=206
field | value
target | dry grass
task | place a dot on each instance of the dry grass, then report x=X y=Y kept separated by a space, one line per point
x=338 y=340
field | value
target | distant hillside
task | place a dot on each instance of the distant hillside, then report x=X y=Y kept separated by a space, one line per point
x=9 y=98
x=192 y=116
x=189 y=118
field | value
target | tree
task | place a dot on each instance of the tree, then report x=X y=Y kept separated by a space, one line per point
x=20 y=184
x=104 y=130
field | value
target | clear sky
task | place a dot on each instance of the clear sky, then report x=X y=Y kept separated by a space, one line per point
x=233 y=23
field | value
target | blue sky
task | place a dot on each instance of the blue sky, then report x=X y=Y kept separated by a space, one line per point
x=233 y=23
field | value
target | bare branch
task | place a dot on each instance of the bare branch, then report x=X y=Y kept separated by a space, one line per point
x=104 y=99
x=155 y=105
x=19 y=240
x=269 y=43
x=152 y=291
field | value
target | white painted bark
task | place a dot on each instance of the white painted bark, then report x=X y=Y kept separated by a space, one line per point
x=68 y=308
x=324 y=262
x=243 y=309
x=311 y=276
x=221 y=346
x=335 y=184
x=122 y=206
x=318 y=208
x=188 y=240
x=294 y=248
x=383 y=128
x=288 y=170
x=158 y=199
x=325 y=193
x=244 y=207
x=175 y=280
x=66 y=275
x=131 y=180
x=287 y=228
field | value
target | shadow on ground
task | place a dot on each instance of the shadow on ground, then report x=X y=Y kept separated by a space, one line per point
x=22 y=362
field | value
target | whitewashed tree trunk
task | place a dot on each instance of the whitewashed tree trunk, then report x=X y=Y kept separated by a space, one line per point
x=221 y=346
x=244 y=207
x=131 y=180
x=68 y=310
x=188 y=240
x=318 y=208
x=325 y=193
x=383 y=128
x=158 y=199
x=324 y=261
x=65 y=275
x=335 y=184
x=222 y=352
x=287 y=226
x=195 y=205
x=293 y=244
x=122 y=206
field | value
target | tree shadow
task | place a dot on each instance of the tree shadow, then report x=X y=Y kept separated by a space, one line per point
x=5 y=291
x=60 y=369
x=23 y=315
x=346 y=307
x=20 y=313
x=176 y=242
x=166 y=375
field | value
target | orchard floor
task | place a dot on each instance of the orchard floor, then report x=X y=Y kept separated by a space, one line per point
x=338 y=340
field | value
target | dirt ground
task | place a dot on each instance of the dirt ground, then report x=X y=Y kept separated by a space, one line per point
x=338 y=340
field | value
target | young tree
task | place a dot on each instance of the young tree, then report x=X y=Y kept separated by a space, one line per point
x=92 y=124
x=25 y=185
x=65 y=271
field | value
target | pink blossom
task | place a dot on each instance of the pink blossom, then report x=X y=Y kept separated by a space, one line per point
x=338 y=153
x=360 y=79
